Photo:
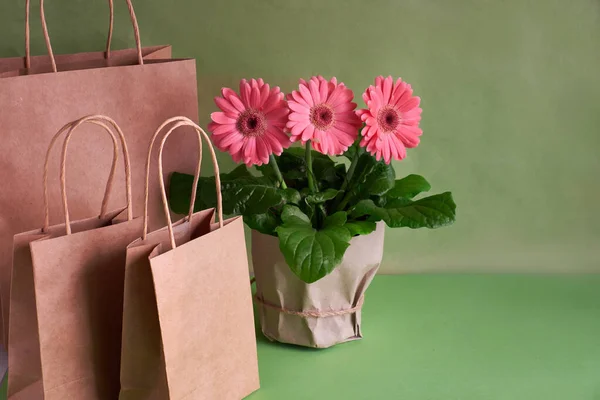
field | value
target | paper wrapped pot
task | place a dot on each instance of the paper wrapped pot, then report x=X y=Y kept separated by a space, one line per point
x=319 y=314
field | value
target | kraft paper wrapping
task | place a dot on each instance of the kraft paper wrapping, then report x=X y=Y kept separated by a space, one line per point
x=343 y=289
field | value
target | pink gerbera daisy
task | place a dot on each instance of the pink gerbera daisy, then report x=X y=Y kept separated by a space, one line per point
x=323 y=112
x=250 y=126
x=392 y=119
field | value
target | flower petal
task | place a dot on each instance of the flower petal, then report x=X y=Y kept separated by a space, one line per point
x=294 y=116
x=264 y=94
x=218 y=129
x=299 y=108
x=275 y=99
x=404 y=95
x=271 y=137
x=306 y=95
x=262 y=150
x=245 y=90
x=299 y=128
x=409 y=137
x=255 y=98
x=386 y=150
x=228 y=140
x=342 y=137
x=398 y=148
x=387 y=89
x=222 y=118
x=314 y=92
x=411 y=103
x=308 y=133
x=250 y=150
x=323 y=90
x=226 y=106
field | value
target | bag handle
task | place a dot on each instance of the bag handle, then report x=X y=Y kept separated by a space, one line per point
x=179 y=122
x=71 y=127
x=28 y=32
x=136 y=32
x=108 y=183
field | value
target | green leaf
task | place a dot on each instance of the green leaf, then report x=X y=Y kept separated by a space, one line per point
x=244 y=197
x=293 y=215
x=290 y=196
x=409 y=187
x=372 y=178
x=180 y=193
x=264 y=223
x=312 y=254
x=429 y=212
x=238 y=172
x=180 y=189
x=360 y=227
x=337 y=219
x=340 y=170
x=242 y=194
x=322 y=197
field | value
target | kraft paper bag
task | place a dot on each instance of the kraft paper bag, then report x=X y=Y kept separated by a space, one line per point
x=188 y=327
x=67 y=298
x=30 y=64
x=139 y=93
x=319 y=314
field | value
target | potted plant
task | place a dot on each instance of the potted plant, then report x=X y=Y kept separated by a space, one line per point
x=317 y=222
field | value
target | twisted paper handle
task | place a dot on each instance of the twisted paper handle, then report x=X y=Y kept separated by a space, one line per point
x=71 y=127
x=136 y=31
x=179 y=122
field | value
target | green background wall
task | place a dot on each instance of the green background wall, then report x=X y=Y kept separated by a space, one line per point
x=510 y=92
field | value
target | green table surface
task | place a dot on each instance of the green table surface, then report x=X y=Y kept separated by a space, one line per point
x=453 y=337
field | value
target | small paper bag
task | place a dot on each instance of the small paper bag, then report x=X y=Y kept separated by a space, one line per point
x=188 y=326
x=67 y=297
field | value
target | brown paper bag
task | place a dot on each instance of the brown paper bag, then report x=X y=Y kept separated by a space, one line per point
x=319 y=314
x=139 y=96
x=24 y=65
x=67 y=297
x=188 y=328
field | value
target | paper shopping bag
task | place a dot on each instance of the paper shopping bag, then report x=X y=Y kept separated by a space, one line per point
x=67 y=297
x=139 y=94
x=188 y=328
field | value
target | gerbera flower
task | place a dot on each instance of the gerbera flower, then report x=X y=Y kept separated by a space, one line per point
x=392 y=119
x=323 y=112
x=250 y=126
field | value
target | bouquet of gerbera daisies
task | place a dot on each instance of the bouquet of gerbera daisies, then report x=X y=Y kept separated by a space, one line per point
x=313 y=203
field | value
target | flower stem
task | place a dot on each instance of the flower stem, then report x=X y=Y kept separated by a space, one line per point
x=351 y=170
x=273 y=164
x=309 y=168
x=344 y=200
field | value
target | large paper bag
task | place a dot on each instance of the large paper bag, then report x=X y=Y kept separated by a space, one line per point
x=67 y=297
x=188 y=329
x=25 y=65
x=140 y=96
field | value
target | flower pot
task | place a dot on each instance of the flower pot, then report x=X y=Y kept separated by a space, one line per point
x=319 y=314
